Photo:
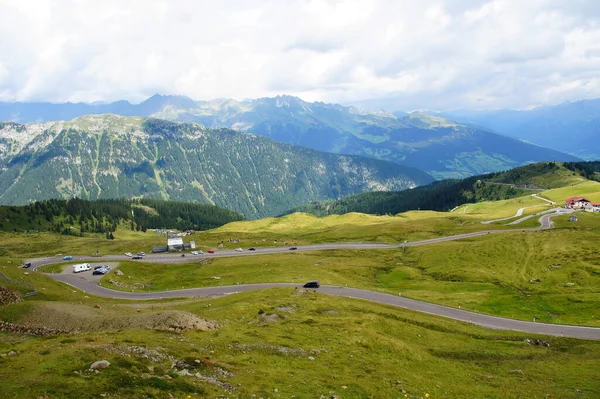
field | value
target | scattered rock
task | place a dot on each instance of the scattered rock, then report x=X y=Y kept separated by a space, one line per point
x=118 y=272
x=8 y=296
x=535 y=280
x=539 y=342
x=39 y=331
x=26 y=273
x=286 y=309
x=97 y=306
x=216 y=277
x=569 y=284
x=275 y=390
x=516 y=371
x=311 y=358
x=99 y=365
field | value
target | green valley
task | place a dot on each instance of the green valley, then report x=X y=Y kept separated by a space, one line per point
x=284 y=342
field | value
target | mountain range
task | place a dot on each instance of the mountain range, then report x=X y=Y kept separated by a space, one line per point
x=442 y=148
x=110 y=156
x=572 y=127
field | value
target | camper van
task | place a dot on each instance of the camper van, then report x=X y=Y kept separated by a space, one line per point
x=82 y=267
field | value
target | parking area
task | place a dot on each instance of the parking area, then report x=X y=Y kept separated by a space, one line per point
x=88 y=275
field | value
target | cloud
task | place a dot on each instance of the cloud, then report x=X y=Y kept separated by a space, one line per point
x=395 y=54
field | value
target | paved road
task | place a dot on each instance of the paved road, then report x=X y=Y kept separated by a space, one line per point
x=517 y=214
x=543 y=199
x=561 y=211
x=497 y=323
x=545 y=223
x=492 y=322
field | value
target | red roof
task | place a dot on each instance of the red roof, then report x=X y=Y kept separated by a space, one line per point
x=595 y=203
x=575 y=199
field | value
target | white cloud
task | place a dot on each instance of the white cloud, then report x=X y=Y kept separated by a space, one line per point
x=400 y=53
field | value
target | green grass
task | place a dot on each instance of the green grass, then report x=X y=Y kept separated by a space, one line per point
x=26 y=245
x=302 y=228
x=491 y=274
x=589 y=189
x=360 y=350
x=266 y=337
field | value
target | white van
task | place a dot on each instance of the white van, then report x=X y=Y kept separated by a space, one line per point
x=82 y=267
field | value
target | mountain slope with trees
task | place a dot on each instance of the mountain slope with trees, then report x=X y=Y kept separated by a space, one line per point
x=443 y=148
x=78 y=217
x=109 y=156
x=447 y=194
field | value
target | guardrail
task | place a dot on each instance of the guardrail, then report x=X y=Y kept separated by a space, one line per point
x=27 y=285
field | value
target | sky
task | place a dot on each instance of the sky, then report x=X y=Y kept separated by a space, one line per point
x=377 y=54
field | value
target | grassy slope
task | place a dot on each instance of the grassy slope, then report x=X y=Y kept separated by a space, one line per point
x=360 y=350
x=49 y=244
x=369 y=348
x=539 y=175
x=589 y=189
x=491 y=274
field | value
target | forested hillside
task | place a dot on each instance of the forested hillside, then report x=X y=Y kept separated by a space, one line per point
x=78 y=217
x=589 y=170
x=447 y=194
x=109 y=156
x=441 y=147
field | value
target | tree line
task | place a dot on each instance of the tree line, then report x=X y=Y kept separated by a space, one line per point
x=77 y=216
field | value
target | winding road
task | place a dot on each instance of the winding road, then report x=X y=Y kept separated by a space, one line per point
x=482 y=320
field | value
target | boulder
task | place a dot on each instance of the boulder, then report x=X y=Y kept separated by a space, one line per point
x=99 y=365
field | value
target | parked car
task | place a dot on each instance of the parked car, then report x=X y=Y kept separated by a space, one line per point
x=137 y=257
x=252 y=249
x=68 y=257
x=141 y=254
x=200 y=252
x=312 y=284
x=195 y=253
x=239 y=249
x=27 y=265
x=101 y=271
x=99 y=267
x=211 y=251
x=128 y=254
x=293 y=248
x=81 y=267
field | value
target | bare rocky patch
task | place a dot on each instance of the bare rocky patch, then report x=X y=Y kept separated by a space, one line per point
x=79 y=318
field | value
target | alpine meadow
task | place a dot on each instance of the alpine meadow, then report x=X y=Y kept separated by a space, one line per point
x=304 y=199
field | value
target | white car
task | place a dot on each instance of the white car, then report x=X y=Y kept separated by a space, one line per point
x=239 y=249
x=195 y=253
x=128 y=254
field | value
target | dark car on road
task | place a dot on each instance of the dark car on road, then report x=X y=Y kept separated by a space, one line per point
x=252 y=249
x=26 y=265
x=312 y=284
x=101 y=270
x=137 y=257
x=293 y=248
